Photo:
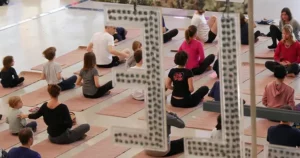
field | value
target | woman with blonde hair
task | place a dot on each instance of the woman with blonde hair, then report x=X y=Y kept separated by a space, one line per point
x=287 y=53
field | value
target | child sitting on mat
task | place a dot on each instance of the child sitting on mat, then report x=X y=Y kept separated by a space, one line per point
x=287 y=53
x=8 y=75
x=120 y=34
x=16 y=123
x=130 y=62
x=217 y=132
x=138 y=94
x=183 y=87
x=194 y=48
x=174 y=146
x=52 y=72
x=277 y=93
x=89 y=74
x=244 y=30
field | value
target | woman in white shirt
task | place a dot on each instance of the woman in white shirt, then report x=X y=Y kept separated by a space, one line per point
x=217 y=132
x=206 y=30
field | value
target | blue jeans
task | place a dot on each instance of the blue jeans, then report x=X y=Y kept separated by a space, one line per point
x=68 y=83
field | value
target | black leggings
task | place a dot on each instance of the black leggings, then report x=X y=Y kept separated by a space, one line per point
x=176 y=147
x=216 y=67
x=204 y=65
x=101 y=90
x=276 y=34
x=192 y=100
x=293 y=68
x=15 y=82
x=115 y=62
x=169 y=35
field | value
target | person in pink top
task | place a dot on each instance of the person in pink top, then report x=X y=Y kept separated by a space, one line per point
x=287 y=53
x=194 y=48
x=277 y=93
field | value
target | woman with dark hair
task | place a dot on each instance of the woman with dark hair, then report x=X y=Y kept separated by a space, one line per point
x=217 y=132
x=196 y=62
x=286 y=18
x=244 y=30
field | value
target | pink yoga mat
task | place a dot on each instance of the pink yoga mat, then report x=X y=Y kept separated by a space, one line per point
x=49 y=150
x=245 y=70
x=262 y=127
x=262 y=83
x=67 y=60
x=123 y=108
x=105 y=148
x=205 y=121
x=8 y=140
x=80 y=103
x=265 y=54
x=131 y=34
x=207 y=73
x=30 y=78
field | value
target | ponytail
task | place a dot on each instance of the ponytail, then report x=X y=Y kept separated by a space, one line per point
x=190 y=33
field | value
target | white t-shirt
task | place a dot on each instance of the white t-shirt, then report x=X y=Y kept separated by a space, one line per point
x=216 y=134
x=51 y=69
x=202 y=27
x=101 y=41
x=137 y=94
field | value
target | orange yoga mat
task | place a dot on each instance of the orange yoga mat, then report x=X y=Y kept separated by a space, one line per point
x=105 y=148
x=30 y=78
x=262 y=127
x=67 y=60
x=265 y=54
x=123 y=108
x=80 y=103
x=205 y=121
x=245 y=70
x=8 y=140
x=49 y=150
x=262 y=83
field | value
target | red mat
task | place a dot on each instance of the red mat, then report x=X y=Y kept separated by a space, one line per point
x=105 y=148
x=262 y=127
x=30 y=78
x=67 y=59
x=265 y=54
x=80 y=103
x=245 y=70
x=123 y=108
x=206 y=121
x=48 y=150
x=8 y=140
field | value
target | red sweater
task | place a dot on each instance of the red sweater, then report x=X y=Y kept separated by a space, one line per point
x=291 y=54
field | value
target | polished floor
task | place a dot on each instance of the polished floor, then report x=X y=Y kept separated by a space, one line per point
x=27 y=27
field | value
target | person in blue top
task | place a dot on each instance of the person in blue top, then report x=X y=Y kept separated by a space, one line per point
x=244 y=31
x=24 y=151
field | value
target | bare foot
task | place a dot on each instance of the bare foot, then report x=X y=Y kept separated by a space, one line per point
x=291 y=75
x=209 y=68
x=108 y=92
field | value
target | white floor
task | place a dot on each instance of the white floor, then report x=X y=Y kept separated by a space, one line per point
x=66 y=29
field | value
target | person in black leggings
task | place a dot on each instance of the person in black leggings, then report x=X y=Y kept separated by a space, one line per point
x=182 y=80
x=244 y=31
x=168 y=34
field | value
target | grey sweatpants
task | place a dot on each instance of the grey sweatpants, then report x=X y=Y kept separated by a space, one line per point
x=70 y=136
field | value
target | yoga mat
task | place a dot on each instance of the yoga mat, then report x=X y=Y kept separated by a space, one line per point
x=49 y=150
x=8 y=140
x=245 y=48
x=262 y=83
x=30 y=78
x=259 y=148
x=206 y=73
x=123 y=108
x=245 y=71
x=101 y=71
x=265 y=54
x=105 y=148
x=206 y=121
x=262 y=127
x=80 y=103
x=67 y=59
x=131 y=34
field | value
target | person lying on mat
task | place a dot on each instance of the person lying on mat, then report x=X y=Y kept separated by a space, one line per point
x=287 y=53
x=277 y=93
x=283 y=134
x=26 y=139
x=168 y=34
x=57 y=117
x=15 y=123
x=120 y=34
x=216 y=133
x=286 y=18
x=102 y=44
x=244 y=31
x=8 y=75
x=138 y=94
x=194 y=48
x=52 y=71
x=89 y=74
x=206 y=30
x=174 y=146
x=182 y=80
x=130 y=62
